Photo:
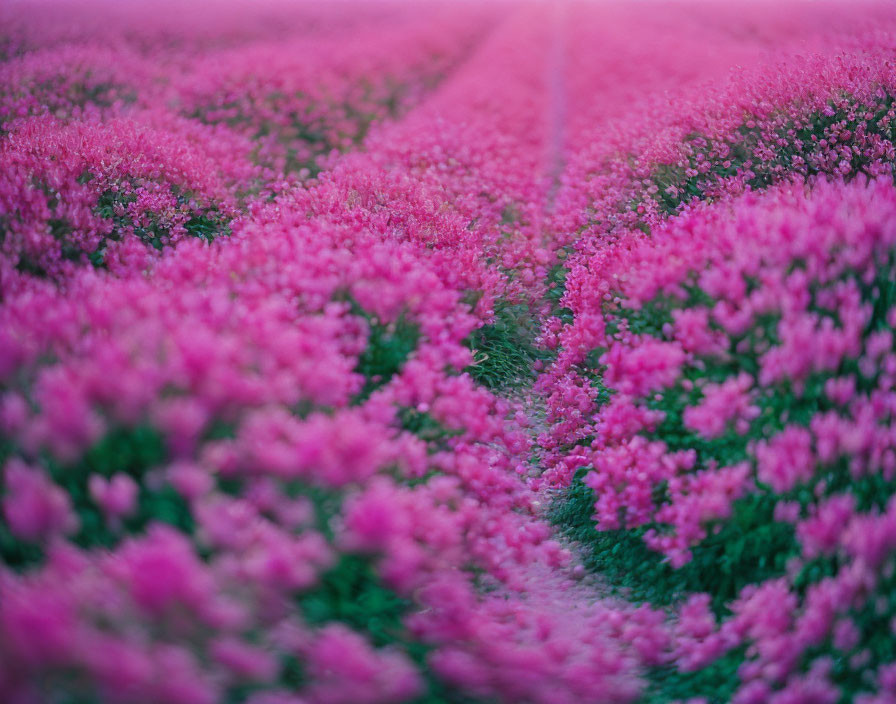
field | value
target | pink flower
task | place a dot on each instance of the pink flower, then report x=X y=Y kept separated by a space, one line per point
x=35 y=507
x=116 y=496
x=786 y=459
x=721 y=404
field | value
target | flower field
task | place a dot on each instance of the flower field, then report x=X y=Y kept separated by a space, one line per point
x=376 y=351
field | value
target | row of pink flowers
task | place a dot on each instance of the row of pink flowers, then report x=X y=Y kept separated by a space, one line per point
x=756 y=322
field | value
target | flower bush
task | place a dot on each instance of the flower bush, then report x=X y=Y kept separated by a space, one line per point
x=713 y=345
x=105 y=193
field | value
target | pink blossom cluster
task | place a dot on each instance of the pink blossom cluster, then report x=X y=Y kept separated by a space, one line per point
x=115 y=189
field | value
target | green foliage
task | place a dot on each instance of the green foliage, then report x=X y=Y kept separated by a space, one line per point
x=556 y=282
x=716 y=683
x=203 y=227
x=881 y=292
x=651 y=317
x=26 y=265
x=304 y=138
x=353 y=593
x=504 y=351
x=748 y=548
x=388 y=347
x=113 y=205
x=132 y=451
x=556 y=289
x=68 y=688
x=874 y=645
x=291 y=677
x=15 y=553
x=428 y=429
x=327 y=504
x=874 y=623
